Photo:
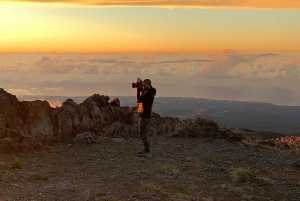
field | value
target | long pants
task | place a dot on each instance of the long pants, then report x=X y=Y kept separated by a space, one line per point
x=143 y=129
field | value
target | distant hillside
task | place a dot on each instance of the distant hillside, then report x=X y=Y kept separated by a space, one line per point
x=256 y=116
x=248 y=115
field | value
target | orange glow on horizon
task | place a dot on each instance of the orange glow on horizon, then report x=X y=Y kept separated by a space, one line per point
x=202 y=4
x=51 y=103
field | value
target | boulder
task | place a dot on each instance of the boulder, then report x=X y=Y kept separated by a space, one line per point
x=7 y=145
x=86 y=137
x=115 y=101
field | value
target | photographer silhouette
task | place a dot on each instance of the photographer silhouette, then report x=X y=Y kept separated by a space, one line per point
x=145 y=97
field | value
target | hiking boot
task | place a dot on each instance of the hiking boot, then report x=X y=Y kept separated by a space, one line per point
x=142 y=152
x=145 y=154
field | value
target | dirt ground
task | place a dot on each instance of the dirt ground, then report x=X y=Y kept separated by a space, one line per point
x=180 y=169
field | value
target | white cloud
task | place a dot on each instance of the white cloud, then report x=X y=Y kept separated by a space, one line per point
x=53 y=88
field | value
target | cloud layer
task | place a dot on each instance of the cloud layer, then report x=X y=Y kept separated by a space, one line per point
x=229 y=75
x=228 y=64
x=243 y=4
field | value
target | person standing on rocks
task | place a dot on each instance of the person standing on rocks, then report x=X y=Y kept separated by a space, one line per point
x=145 y=98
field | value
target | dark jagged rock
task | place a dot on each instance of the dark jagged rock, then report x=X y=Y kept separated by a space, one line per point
x=115 y=101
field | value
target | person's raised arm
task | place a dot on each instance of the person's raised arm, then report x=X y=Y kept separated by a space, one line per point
x=138 y=89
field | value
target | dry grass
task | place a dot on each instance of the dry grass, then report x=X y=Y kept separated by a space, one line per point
x=100 y=193
x=249 y=143
x=181 y=196
x=202 y=120
x=77 y=189
x=17 y=164
x=153 y=188
x=143 y=172
x=241 y=174
x=267 y=180
x=96 y=195
x=254 y=198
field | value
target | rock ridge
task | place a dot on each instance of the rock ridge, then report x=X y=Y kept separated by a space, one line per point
x=27 y=125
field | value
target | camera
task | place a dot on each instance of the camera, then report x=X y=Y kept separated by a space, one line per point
x=138 y=83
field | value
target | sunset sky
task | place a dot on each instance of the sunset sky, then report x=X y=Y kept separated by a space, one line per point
x=231 y=50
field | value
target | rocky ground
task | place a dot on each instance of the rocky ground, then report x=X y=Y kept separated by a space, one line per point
x=180 y=169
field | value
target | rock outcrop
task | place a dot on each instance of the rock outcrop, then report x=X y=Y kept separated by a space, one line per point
x=27 y=125
x=283 y=143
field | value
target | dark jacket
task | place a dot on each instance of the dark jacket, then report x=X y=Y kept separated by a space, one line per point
x=147 y=99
